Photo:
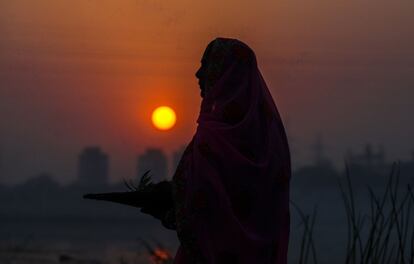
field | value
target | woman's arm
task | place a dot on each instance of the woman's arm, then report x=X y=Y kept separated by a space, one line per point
x=161 y=205
x=165 y=208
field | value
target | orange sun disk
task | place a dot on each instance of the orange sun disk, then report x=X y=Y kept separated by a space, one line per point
x=163 y=118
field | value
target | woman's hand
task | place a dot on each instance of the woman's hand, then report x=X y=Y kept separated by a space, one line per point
x=160 y=200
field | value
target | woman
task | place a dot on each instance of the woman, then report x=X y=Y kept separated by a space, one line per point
x=229 y=197
x=231 y=187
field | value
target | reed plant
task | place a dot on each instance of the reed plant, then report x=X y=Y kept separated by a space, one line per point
x=384 y=234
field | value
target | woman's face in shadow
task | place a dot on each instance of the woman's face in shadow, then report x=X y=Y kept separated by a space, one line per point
x=201 y=75
x=212 y=66
x=205 y=73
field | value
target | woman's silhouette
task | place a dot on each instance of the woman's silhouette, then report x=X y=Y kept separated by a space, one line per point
x=229 y=197
x=231 y=187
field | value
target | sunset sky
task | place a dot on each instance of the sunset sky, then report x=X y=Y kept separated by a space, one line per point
x=77 y=73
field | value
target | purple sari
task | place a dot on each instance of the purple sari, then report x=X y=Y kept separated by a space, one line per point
x=231 y=187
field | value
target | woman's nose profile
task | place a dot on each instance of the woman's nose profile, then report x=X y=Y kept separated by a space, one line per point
x=198 y=73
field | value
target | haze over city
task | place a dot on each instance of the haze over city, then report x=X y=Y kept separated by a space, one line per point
x=81 y=73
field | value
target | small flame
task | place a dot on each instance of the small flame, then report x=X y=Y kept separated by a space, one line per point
x=160 y=256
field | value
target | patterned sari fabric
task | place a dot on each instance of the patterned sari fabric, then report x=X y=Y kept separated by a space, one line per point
x=231 y=187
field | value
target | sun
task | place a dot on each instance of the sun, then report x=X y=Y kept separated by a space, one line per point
x=163 y=118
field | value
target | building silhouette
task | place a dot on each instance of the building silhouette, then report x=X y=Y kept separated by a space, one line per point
x=320 y=158
x=320 y=174
x=369 y=158
x=155 y=160
x=93 y=167
x=369 y=166
x=368 y=162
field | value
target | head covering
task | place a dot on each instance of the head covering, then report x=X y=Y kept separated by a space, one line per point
x=231 y=187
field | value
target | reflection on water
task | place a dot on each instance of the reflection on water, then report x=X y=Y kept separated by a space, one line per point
x=81 y=241
x=74 y=240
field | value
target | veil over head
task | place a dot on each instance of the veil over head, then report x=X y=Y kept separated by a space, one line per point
x=231 y=187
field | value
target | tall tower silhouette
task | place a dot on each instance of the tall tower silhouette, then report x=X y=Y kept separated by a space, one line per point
x=93 y=167
x=319 y=150
x=155 y=160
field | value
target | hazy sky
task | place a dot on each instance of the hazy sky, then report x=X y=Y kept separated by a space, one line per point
x=76 y=73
